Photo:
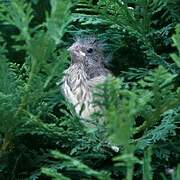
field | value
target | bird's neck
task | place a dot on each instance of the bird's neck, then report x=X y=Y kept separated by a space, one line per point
x=89 y=70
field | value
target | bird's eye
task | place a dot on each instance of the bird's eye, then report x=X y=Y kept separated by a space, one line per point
x=90 y=50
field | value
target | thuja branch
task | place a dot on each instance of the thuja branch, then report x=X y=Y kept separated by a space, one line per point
x=153 y=118
x=24 y=99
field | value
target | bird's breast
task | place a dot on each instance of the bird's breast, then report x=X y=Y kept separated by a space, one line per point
x=75 y=87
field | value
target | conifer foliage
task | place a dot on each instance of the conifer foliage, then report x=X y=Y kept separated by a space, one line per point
x=41 y=136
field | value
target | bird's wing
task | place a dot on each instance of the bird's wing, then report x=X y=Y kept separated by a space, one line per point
x=93 y=82
x=96 y=80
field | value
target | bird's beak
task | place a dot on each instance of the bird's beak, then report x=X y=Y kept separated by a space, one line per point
x=75 y=48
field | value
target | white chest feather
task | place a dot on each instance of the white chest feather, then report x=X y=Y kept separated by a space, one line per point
x=77 y=90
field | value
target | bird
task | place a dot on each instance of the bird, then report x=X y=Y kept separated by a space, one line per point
x=85 y=72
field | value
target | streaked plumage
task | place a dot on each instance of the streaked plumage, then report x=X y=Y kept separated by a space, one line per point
x=85 y=72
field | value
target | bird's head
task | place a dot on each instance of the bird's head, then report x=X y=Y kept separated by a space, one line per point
x=86 y=50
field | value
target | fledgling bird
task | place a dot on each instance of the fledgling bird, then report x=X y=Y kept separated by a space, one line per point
x=84 y=73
